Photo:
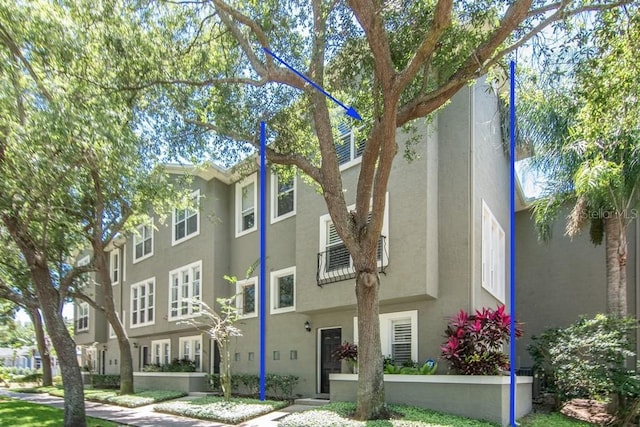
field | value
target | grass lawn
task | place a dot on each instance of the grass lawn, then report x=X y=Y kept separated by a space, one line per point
x=112 y=397
x=217 y=409
x=27 y=414
x=554 y=419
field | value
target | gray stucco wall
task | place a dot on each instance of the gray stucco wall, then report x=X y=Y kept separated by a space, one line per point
x=558 y=281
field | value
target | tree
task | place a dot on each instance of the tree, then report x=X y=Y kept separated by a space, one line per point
x=74 y=170
x=589 y=149
x=16 y=287
x=395 y=62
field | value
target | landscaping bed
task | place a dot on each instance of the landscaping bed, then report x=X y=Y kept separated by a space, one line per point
x=217 y=409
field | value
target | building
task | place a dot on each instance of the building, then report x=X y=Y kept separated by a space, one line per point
x=444 y=247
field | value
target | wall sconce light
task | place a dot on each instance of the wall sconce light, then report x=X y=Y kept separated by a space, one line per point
x=307 y=326
x=104 y=347
x=135 y=345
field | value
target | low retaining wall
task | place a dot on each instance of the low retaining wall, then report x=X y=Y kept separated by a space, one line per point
x=474 y=396
x=181 y=381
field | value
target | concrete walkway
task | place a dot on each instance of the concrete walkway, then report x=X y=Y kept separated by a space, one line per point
x=144 y=416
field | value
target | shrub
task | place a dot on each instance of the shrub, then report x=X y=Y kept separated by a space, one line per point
x=474 y=342
x=587 y=359
x=251 y=383
x=105 y=381
x=346 y=351
x=281 y=386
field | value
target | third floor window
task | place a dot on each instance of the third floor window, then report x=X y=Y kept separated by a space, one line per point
x=246 y=201
x=283 y=197
x=143 y=242
x=186 y=222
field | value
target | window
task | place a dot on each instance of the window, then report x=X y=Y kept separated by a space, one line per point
x=142 y=303
x=114 y=266
x=112 y=332
x=247 y=297
x=348 y=150
x=82 y=316
x=398 y=335
x=143 y=242
x=184 y=291
x=186 y=223
x=283 y=197
x=283 y=290
x=493 y=254
x=161 y=352
x=246 y=206
x=335 y=254
x=191 y=349
x=85 y=260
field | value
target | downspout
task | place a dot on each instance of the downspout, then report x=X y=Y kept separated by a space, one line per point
x=472 y=210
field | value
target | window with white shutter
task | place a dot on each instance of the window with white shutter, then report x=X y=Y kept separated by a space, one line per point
x=401 y=340
x=398 y=335
x=493 y=254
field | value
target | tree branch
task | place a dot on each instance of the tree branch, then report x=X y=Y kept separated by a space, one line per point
x=370 y=19
x=441 y=21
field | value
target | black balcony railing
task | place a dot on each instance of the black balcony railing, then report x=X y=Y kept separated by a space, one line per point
x=335 y=265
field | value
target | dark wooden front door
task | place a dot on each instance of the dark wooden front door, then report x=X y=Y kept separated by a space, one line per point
x=330 y=339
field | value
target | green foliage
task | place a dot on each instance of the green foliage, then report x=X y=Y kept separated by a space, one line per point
x=587 y=359
x=176 y=365
x=105 y=381
x=337 y=414
x=281 y=386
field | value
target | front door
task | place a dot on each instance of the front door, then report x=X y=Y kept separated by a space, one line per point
x=330 y=340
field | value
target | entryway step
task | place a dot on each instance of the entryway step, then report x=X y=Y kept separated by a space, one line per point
x=310 y=401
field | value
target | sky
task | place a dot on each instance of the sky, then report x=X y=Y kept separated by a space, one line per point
x=67 y=312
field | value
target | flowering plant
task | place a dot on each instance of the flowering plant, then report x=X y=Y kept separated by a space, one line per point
x=474 y=342
x=346 y=351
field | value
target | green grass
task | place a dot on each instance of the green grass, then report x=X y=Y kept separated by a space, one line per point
x=337 y=415
x=217 y=409
x=554 y=419
x=27 y=414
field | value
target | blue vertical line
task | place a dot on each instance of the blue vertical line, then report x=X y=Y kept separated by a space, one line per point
x=512 y=232
x=263 y=257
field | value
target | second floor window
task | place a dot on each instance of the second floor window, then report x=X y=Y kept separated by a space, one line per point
x=114 y=266
x=246 y=200
x=186 y=221
x=246 y=299
x=142 y=303
x=143 y=243
x=185 y=291
x=82 y=317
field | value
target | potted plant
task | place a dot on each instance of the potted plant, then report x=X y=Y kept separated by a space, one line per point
x=349 y=353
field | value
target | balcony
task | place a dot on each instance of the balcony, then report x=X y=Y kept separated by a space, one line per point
x=335 y=264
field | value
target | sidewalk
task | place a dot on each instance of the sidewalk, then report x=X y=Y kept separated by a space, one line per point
x=144 y=416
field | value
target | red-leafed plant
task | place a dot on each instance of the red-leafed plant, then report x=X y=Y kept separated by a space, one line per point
x=475 y=342
x=348 y=352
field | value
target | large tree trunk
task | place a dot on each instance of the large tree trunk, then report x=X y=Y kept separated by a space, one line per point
x=45 y=358
x=616 y=254
x=370 y=370
x=126 y=360
x=74 y=413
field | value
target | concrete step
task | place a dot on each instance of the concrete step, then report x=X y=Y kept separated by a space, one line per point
x=310 y=401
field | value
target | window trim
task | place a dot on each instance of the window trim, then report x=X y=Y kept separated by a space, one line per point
x=143 y=283
x=497 y=262
x=117 y=265
x=325 y=220
x=82 y=306
x=386 y=332
x=135 y=242
x=274 y=199
x=161 y=342
x=353 y=161
x=195 y=194
x=252 y=179
x=191 y=339
x=240 y=284
x=192 y=312
x=274 y=276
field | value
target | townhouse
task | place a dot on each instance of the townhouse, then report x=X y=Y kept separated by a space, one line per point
x=444 y=247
